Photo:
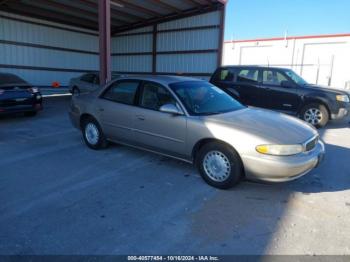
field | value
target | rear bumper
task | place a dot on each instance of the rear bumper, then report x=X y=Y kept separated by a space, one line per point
x=4 y=110
x=283 y=168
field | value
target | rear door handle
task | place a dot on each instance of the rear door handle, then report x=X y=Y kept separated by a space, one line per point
x=140 y=117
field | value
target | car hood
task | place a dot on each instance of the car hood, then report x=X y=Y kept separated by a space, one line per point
x=335 y=91
x=270 y=126
x=9 y=86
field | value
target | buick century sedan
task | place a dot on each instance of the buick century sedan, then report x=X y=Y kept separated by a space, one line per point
x=195 y=121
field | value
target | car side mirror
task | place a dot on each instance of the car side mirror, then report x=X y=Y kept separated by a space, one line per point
x=287 y=84
x=170 y=109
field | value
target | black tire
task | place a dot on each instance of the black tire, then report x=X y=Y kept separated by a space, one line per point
x=321 y=116
x=31 y=113
x=235 y=173
x=101 y=141
x=75 y=91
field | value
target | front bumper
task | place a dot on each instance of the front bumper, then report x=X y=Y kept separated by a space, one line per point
x=343 y=112
x=283 y=168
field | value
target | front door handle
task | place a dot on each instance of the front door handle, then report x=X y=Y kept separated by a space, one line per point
x=140 y=117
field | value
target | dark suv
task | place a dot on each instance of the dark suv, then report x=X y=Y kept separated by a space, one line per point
x=283 y=90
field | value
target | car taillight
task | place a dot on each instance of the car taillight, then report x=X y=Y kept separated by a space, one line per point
x=33 y=90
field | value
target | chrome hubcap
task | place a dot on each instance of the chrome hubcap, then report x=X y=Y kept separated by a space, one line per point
x=313 y=116
x=217 y=166
x=92 y=134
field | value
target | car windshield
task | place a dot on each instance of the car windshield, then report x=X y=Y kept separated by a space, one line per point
x=295 y=77
x=203 y=98
x=10 y=79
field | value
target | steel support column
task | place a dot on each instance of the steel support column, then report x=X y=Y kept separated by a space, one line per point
x=104 y=25
x=154 y=49
x=221 y=34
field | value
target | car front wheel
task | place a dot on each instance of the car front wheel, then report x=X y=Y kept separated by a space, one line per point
x=93 y=135
x=315 y=114
x=219 y=165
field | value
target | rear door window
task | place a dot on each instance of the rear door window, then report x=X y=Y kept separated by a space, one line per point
x=89 y=78
x=97 y=80
x=248 y=76
x=122 y=92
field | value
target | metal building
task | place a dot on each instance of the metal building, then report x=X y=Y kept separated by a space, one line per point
x=55 y=40
x=320 y=59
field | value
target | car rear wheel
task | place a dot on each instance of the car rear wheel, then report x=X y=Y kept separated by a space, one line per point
x=93 y=135
x=219 y=165
x=315 y=114
x=31 y=113
x=75 y=91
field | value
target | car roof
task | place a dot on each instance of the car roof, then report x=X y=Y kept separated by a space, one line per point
x=163 y=79
x=255 y=66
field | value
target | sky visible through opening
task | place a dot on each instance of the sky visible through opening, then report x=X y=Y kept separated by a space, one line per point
x=250 y=19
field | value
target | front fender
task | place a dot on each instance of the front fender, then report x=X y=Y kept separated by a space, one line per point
x=319 y=98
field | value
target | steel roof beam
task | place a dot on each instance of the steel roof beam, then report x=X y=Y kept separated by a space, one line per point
x=80 y=13
x=114 y=10
x=167 y=6
x=52 y=16
x=139 y=8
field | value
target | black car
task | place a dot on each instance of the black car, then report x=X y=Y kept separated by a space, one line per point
x=283 y=90
x=16 y=95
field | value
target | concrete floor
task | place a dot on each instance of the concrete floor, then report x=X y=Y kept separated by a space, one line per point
x=59 y=197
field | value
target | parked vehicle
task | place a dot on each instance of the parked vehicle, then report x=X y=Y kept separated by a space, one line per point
x=282 y=90
x=16 y=95
x=195 y=121
x=86 y=83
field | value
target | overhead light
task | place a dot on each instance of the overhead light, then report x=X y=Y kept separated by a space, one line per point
x=117 y=4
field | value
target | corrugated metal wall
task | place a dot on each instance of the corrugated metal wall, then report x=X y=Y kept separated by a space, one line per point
x=44 y=54
x=134 y=41
x=323 y=60
x=189 y=45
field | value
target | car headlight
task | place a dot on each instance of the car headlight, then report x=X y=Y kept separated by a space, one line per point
x=280 y=150
x=342 y=98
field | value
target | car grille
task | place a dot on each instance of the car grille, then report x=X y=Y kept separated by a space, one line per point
x=309 y=145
